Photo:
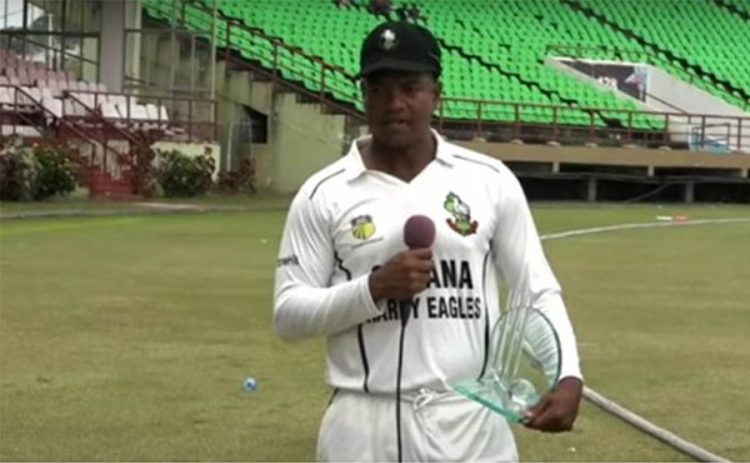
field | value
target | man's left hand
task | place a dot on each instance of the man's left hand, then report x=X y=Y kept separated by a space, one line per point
x=557 y=410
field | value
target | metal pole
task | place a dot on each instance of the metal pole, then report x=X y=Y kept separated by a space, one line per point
x=212 y=76
x=739 y=133
x=63 y=30
x=5 y=26
x=322 y=81
x=479 y=120
x=25 y=26
x=174 y=58
x=49 y=43
x=193 y=63
x=230 y=135
x=555 y=128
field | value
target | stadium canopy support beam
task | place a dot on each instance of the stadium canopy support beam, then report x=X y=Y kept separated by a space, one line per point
x=591 y=193
x=689 y=192
x=111 y=60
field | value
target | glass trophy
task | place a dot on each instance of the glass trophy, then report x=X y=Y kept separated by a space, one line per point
x=523 y=366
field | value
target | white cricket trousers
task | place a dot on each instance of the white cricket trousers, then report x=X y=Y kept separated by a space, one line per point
x=435 y=426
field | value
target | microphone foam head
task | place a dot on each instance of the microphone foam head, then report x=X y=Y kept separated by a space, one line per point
x=419 y=232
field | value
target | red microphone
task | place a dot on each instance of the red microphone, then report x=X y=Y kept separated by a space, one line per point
x=419 y=232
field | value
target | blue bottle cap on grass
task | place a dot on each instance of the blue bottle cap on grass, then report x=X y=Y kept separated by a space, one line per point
x=250 y=385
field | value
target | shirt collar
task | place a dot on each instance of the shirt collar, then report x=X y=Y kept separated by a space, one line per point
x=356 y=167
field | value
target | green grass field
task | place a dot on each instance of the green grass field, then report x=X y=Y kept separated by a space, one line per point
x=129 y=337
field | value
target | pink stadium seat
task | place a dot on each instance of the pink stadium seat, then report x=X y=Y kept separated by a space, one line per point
x=73 y=108
x=23 y=76
x=121 y=100
x=32 y=74
x=7 y=95
x=97 y=99
x=21 y=130
x=110 y=111
x=46 y=89
x=138 y=112
x=152 y=111
x=34 y=92
x=163 y=116
x=54 y=105
x=88 y=99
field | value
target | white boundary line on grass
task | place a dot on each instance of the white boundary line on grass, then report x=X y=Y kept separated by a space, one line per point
x=630 y=226
x=613 y=408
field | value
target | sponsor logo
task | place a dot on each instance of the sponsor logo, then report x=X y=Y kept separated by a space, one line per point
x=461 y=212
x=362 y=227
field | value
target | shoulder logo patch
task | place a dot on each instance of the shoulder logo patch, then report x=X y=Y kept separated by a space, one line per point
x=362 y=227
x=461 y=212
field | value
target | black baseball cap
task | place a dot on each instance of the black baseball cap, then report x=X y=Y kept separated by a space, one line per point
x=399 y=46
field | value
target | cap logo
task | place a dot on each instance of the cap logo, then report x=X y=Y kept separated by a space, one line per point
x=388 y=40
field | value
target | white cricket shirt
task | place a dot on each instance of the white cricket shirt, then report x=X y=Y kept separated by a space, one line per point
x=346 y=219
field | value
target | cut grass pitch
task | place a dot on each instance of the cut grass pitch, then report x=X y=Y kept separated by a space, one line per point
x=128 y=338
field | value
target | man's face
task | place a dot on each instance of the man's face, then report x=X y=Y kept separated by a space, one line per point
x=399 y=106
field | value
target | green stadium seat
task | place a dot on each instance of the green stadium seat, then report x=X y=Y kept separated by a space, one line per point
x=513 y=58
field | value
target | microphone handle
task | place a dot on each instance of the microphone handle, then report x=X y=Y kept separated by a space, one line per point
x=404 y=307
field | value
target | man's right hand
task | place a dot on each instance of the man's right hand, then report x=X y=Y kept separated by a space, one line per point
x=404 y=275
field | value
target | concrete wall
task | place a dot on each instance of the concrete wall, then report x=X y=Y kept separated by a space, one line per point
x=648 y=159
x=301 y=139
x=666 y=93
x=235 y=89
x=240 y=88
x=133 y=20
x=264 y=161
x=667 y=88
x=112 y=43
x=304 y=141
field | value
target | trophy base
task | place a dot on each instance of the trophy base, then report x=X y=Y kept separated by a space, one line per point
x=511 y=401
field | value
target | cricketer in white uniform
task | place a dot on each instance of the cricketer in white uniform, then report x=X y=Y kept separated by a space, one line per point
x=346 y=223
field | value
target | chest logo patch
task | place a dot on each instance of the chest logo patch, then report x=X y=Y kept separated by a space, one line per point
x=362 y=227
x=461 y=212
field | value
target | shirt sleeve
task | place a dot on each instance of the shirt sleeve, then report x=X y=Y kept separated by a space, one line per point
x=305 y=302
x=520 y=259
